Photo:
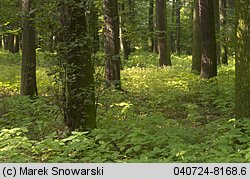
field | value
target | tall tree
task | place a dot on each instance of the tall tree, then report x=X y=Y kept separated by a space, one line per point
x=196 y=54
x=164 y=59
x=124 y=32
x=216 y=4
x=208 y=39
x=16 y=44
x=80 y=112
x=243 y=59
x=112 y=43
x=173 y=46
x=28 y=70
x=1 y=41
x=178 y=26
x=11 y=39
x=224 y=48
x=151 y=25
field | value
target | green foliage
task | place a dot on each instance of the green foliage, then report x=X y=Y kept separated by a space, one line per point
x=162 y=115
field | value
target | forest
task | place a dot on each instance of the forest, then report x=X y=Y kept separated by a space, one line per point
x=124 y=81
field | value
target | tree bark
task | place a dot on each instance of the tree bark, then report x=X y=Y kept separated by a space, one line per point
x=173 y=46
x=95 y=27
x=208 y=40
x=11 y=42
x=28 y=69
x=217 y=28
x=196 y=54
x=112 y=44
x=151 y=25
x=124 y=38
x=164 y=59
x=224 y=49
x=178 y=26
x=6 y=42
x=80 y=112
x=16 y=44
x=1 y=41
x=242 y=60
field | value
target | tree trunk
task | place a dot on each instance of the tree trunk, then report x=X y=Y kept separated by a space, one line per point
x=178 y=26
x=28 y=70
x=151 y=25
x=11 y=42
x=124 y=38
x=16 y=44
x=217 y=28
x=196 y=55
x=6 y=41
x=112 y=43
x=164 y=59
x=231 y=3
x=95 y=28
x=224 y=49
x=1 y=41
x=173 y=47
x=80 y=112
x=208 y=40
x=242 y=60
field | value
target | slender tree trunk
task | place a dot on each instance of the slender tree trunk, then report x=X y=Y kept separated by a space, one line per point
x=80 y=110
x=173 y=47
x=224 y=49
x=151 y=25
x=164 y=59
x=124 y=39
x=112 y=43
x=11 y=43
x=1 y=41
x=156 y=50
x=178 y=26
x=131 y=17
x=208 y=40
x=28 y=70
x=16 y=44
x=242 y=59
x=6 y=42
x=217 y=28
x=196 y=55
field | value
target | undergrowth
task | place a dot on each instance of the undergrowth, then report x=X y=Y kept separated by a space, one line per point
x=162 y=115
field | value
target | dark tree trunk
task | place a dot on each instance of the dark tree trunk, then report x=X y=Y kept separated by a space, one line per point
x=1 y=41
x=16 y=44
x=28 y=70
x=131 y=17
x=151 y=25
x=242 y=60
x=217 y=28
x=11 y=42
x=124 y=38
x=231 y=3
x=95 y=28
x=80 y=112
x=173 y=46
x=6 y=42
x=178 y=26
x=208 y=40
x=164 y=59
x=196 y=55
x=224 y=49
x=112 y=43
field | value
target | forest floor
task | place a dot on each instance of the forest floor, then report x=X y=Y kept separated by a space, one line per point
x=162 y=115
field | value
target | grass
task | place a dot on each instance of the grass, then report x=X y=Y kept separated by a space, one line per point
x=163 y=115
